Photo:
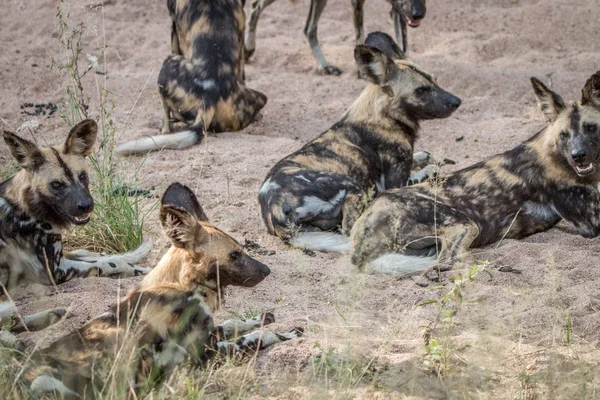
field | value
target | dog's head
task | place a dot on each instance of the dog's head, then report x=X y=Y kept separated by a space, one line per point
x=574 y=127
x=53 y=185
x=413 y=10
x=210 y=254
x=411 y=92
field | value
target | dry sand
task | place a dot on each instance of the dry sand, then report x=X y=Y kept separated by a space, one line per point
x=481 y=50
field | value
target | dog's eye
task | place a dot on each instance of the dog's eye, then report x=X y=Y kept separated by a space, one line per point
x=56 y=185
x=83 y=177
x=590 y=128
x=234 y=255
x=422 y=89
x=564 y=135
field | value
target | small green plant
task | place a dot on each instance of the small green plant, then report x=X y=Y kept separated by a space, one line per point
x=439 y=350
x=332 y=368
x=117 y=220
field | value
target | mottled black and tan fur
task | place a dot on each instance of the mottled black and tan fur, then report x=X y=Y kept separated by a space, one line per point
x=166 y=320
x=552 y=176
x=403 y=13
x=49 y=194
x=326 y=183
x=202 y=82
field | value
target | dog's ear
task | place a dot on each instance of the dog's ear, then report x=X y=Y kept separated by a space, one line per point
x=373 y=65
x=26 y=153
x=549 y=102
x=181 y=227
x=81 y=138
x=181 y=196
x=384 y=43
x=590 y=94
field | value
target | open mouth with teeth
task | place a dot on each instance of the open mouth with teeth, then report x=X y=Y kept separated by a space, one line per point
x=584 y=169
x=81 y=219
x=413 y=23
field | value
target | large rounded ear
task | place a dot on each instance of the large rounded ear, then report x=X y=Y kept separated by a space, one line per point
x=181 y=196
x=26 y=153
x=181 y=227
x=590 y=94
x=373 y=65
x=384 y=43
x=81 y=139
x=549 y=102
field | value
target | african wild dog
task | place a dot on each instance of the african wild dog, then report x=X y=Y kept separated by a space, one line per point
x=327 y=182
x=403 y=12
x=164 y=321
x=552 y=176
x=202 y=83
x=49 y=194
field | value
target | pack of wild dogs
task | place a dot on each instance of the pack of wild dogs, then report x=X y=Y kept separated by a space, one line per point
x=357 y=188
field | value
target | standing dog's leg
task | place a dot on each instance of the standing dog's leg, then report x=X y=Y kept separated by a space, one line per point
x=175 y=48
x=250 y=42
x=400 y=29
x=166 y=128
x=310 y=30
x=358 y=20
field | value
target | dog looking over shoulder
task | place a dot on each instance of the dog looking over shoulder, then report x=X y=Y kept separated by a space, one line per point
x=529 y=189
x=403 y=12
x=328 y=182
x=49 y=194
x=164 y=321
x=198 y=84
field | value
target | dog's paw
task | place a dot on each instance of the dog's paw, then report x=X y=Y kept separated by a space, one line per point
x=330 y=70
x=429 y=172
x=295 y=333
x=267 y=318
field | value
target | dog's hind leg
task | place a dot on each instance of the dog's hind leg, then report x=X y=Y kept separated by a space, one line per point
x=175 y=47
x=354 y=205
x=310 y=30
x=233 y=328
x=167 y=126
x=400 y=30
x=358 y=20
x=42 y=320
x=257 y=340
x=247 y=104
x=250 y=41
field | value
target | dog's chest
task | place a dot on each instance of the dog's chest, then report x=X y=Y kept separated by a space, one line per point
x=29 y=249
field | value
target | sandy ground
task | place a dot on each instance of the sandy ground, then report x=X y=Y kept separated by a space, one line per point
x=481 y=50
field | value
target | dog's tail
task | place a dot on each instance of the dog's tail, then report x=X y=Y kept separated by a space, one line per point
x=322 y=241
x=175 y=141
x=401 y=264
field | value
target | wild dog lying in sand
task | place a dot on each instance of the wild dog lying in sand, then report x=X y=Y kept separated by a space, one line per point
x=202 y=83
x=327 y=183
x=164 y=321
x=552 y=176
x=49 y=194
x=403 y=12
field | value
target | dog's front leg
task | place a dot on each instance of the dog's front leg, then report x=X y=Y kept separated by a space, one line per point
x=257 y=340
x=233 y=328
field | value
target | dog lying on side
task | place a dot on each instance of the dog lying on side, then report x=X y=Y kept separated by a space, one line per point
x=166 y=320
x=49 y=194
x=552 y=176
x=403 y=12
x=202 y=83
x=328 y=182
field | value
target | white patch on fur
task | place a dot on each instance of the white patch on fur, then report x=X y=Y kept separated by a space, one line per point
x=206 y=84
x=424 y=174
x=174 y=141
x=543 y=211
x=268 y=186
x=381 y=184
x=7 y=309
x=45 y=383
x=4 y=206
x=313 y=205
x=302 y=177
x=322 y=241
x=400 y=264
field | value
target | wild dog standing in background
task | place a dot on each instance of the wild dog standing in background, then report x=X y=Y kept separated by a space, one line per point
x=326 y=183
x=48 y=195
x=403 y=12
x=164 y=321
x=202 y=83
x=552 y=176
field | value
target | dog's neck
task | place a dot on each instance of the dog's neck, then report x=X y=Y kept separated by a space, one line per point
x=371 y=108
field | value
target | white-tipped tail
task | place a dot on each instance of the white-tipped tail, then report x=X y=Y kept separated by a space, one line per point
x=131 y=257
x=136 y=255
x=175 y=141
x=401 y=265
x=322 y=241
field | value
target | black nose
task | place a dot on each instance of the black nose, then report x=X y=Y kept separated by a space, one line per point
x=455 y=102
x=418 y=13
x=265 y=271
x=85 y=206
x=578 y=155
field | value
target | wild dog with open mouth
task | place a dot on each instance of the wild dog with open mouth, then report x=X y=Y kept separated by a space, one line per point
x=202 y=83
x=49 y=194
x=403 y=12
x=164 y=321
x=552 y=176
x=327 y=182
